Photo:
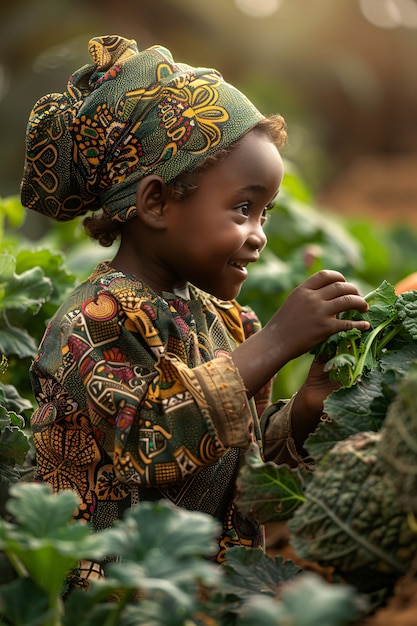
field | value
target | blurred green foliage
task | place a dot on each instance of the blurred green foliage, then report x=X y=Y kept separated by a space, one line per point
x=34 y=279
x=302 y=238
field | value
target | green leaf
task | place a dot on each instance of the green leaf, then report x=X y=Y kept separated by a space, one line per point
x=351 y=355
x=26 y=290
x=363 y=406
x=407 y=311
x=306 y=601
x=381 y=304
x=13 y=210
x=398 y=443
x=14 y=446
x=249 y=570
x=7 y=268
x=166 y=611
x=294 y=185
x=10 y=398
x=348 y=411
x=174 y=584
x=46 y=563
x=352 y=519
x=9 y=418
x=17 y=341
x=160 y=536
x=341 y=365
x=266 y=491
x=23 y=603
x=400 y=360
x=162 y=548
x=43 y=514
x=43 y=539
x=89 y=607
x=52 y=264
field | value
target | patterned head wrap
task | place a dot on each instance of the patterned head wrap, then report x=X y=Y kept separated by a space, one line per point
x=127 y=115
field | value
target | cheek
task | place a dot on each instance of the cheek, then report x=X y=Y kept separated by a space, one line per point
x=210 y=233
x=224 y=241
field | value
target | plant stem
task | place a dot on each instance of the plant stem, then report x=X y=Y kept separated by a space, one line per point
x=372 y=335
x=20 y=569
x=390 y=335
x=56 y=605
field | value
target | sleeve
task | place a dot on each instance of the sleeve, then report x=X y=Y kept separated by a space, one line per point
x=275 y=419
x=251 y=325
x=163 y=420
x=279 y=445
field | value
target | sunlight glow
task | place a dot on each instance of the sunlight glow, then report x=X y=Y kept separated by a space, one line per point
x=390 y=13
x=258 y=8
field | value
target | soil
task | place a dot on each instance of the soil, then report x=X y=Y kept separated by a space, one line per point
x=401 y=608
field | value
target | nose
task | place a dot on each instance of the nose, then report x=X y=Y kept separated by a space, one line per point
x=257 y=238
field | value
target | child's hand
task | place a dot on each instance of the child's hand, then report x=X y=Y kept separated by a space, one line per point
x=308 y=402
x=305 y=319
x=308 y=316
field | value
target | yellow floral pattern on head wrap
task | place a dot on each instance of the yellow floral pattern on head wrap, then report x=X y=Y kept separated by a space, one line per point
x=127 y=115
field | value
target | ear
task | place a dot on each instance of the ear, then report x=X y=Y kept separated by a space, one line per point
x=151 y=198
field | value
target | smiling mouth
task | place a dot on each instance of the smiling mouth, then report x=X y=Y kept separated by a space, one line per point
x=240 y=266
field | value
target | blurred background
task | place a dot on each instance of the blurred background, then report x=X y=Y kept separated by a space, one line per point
x=342 y=72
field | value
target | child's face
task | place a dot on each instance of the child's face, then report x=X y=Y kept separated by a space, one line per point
x=214 y=233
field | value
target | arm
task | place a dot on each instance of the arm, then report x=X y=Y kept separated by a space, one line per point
x=286 y=425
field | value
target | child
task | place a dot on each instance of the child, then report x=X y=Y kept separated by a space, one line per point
x=150 y=378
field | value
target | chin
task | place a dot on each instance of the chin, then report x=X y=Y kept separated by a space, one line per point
x=223 y=290
x=226 y=294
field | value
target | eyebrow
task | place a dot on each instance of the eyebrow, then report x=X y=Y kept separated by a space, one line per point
x=261 y=188
x=254 y=187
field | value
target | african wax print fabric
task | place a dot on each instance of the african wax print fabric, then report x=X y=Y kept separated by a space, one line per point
x=139 y=399
x=128 y=114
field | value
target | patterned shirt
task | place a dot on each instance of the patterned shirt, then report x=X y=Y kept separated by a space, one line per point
x=139 y=399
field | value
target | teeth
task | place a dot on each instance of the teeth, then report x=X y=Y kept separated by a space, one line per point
x=238 y=264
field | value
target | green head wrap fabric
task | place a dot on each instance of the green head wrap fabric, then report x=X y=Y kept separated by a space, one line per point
x=127 y=115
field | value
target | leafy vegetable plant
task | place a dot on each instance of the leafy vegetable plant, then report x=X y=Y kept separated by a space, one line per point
x=393 y=319
x=164 y=578
x=267 y=491
x=352 y=518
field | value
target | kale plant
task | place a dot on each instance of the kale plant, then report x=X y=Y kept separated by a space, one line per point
x=369 y=366
x=393 y=322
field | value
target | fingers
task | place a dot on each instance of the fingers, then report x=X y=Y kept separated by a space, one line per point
x=322 y=278
x=332 y=286
x=335 y=294
x=343 y=290
x=346 y=302
x=361 y=325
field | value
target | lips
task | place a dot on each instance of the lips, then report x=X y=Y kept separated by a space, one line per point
x=241 y=265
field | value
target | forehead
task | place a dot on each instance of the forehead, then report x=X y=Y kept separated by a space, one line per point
x=254 y=159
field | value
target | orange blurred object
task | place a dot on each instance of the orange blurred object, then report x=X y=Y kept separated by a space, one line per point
x=406 y=284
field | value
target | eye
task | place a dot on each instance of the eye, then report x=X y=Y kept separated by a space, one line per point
x=244 y=209
x=266 y=210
